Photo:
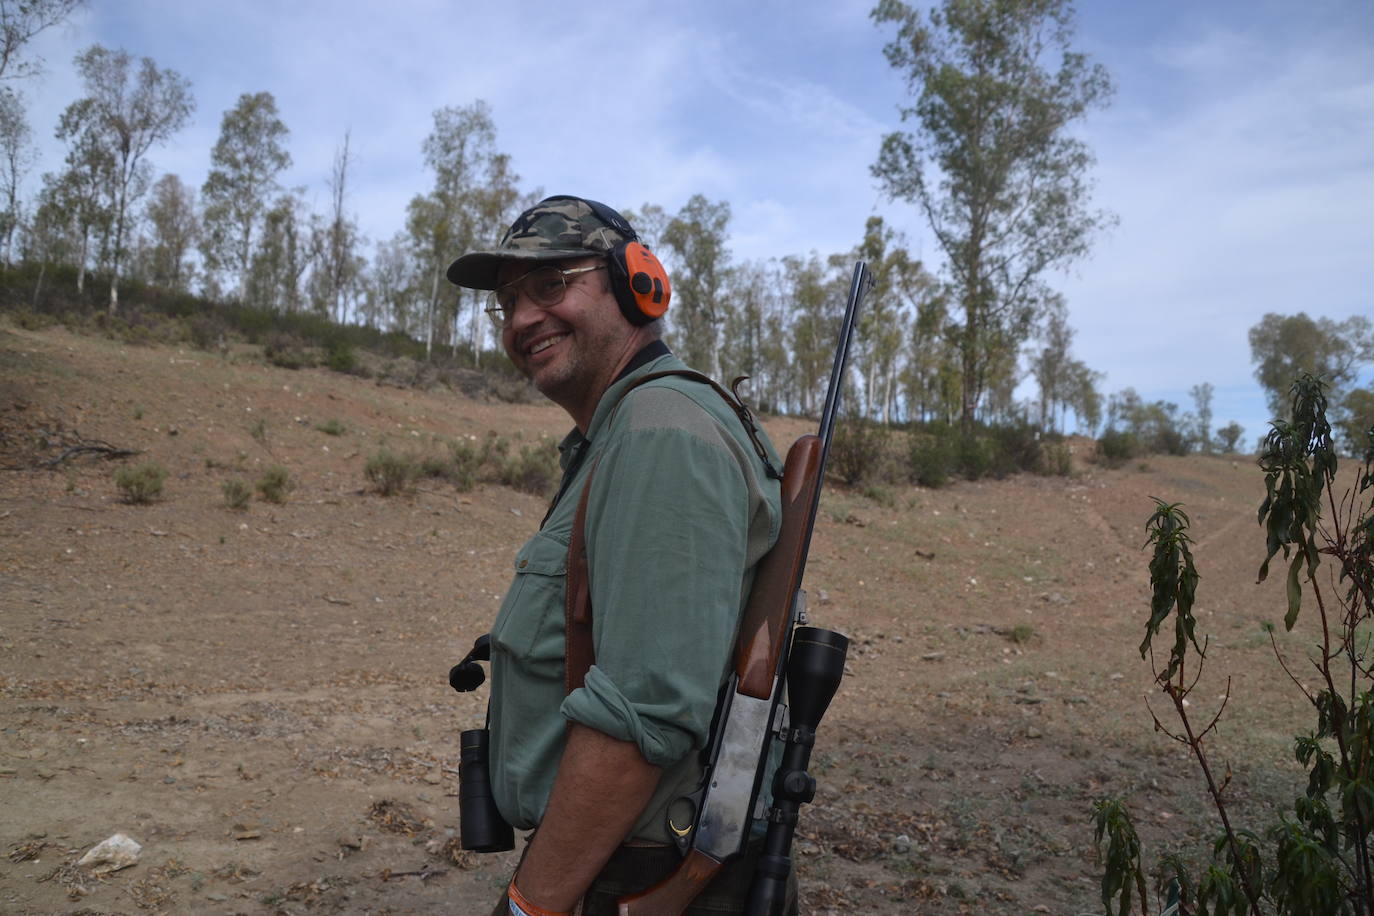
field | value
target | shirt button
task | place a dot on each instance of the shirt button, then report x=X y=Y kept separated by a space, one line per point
x=523 y=563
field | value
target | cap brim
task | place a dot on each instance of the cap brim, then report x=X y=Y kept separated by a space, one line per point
x=478 y=269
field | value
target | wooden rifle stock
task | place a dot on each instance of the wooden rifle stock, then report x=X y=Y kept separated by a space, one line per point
x=768 y=615
x=676 y=892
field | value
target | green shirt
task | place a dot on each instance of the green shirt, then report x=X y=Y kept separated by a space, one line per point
x=680 y=512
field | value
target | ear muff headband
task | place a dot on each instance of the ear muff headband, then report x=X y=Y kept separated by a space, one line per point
x=638 y=280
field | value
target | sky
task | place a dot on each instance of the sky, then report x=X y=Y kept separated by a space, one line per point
x=1237 y=154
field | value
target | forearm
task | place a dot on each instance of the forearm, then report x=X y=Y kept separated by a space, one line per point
x=602 y=786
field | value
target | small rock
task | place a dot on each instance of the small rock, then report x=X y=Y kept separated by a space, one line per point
x=932 y=656
x=119 y=851
x=902 y=844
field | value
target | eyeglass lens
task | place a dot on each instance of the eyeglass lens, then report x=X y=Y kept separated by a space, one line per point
x=544 y=287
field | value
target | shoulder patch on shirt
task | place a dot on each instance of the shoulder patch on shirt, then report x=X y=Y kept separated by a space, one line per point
x=661 y=407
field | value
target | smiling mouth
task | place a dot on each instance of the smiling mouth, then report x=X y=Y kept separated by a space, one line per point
x=545 y=344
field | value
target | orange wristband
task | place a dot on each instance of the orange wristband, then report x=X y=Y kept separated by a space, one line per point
x=519 y=906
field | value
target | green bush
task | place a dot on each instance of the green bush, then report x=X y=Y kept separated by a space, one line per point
x=930 y=456
x=859 y=451
x=1058 y=462
x=332 y=428
x=535 y=470
x=207 y=332
x=237 y=493
x=1115 y=447
x=1015 y=448
x=31 y=321
x=389 y=472
x=274 y=484
x=465 y=462
x=341 y=357
x=286 y=351
x=141 y=483
x=974 y=457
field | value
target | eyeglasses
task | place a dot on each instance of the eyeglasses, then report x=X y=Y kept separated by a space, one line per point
x=543 y=286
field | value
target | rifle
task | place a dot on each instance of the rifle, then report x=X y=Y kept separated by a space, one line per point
x=774 y=657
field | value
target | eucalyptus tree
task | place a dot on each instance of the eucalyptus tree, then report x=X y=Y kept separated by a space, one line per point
x=1083 y=395
x=471 y=181
x=1050 y=364
x=751 y=295
x=284 y=251
x=993 y=163
x=902 y=286
x=1229 y=435
x=78 y=191
x=244 y=164
x=16 y=157
x=335 y=278
x=695 y=240
x=930 y=377
x=133 y=106
x=391 y=296
x=20 y=22
x=1202 y=401
x=1284 y=346
x=173 y=229
x=496 y=202
x=816 y=290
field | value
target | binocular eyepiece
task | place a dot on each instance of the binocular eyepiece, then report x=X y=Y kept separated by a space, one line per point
x=467 y=675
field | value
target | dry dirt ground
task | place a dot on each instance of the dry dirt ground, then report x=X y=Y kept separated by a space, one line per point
x=259 y=697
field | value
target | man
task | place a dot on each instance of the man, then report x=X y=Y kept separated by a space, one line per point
x=682 y=503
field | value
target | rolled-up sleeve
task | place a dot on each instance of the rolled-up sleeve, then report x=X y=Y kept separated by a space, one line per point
x=668 y=519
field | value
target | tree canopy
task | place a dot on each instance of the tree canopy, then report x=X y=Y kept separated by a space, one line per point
x=992 y=162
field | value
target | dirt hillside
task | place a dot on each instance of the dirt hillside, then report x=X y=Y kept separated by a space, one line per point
x=258 y=697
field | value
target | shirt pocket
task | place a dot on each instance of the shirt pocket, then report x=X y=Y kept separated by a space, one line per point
x=529 y=626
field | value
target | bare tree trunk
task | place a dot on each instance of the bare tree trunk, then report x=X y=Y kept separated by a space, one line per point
x=81 y=267
x=429 y=322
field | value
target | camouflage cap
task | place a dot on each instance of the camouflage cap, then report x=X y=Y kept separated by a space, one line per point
x=556 y=228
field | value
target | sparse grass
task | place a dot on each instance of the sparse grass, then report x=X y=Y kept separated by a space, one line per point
x=142 y=483
x=880 y=495
x=1022 y=633
x=274 y=484
x=258 y=430
x=332 y=427
x=138 y=411
x=237 y=493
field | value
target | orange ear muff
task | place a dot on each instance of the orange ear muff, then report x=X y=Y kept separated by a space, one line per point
x=646 y=289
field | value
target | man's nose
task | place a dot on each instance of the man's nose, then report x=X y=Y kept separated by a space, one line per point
x=524 y=313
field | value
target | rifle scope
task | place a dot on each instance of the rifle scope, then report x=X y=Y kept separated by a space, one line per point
x=814 y=671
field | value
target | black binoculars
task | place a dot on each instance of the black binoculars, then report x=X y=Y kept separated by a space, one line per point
x=481 y=826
